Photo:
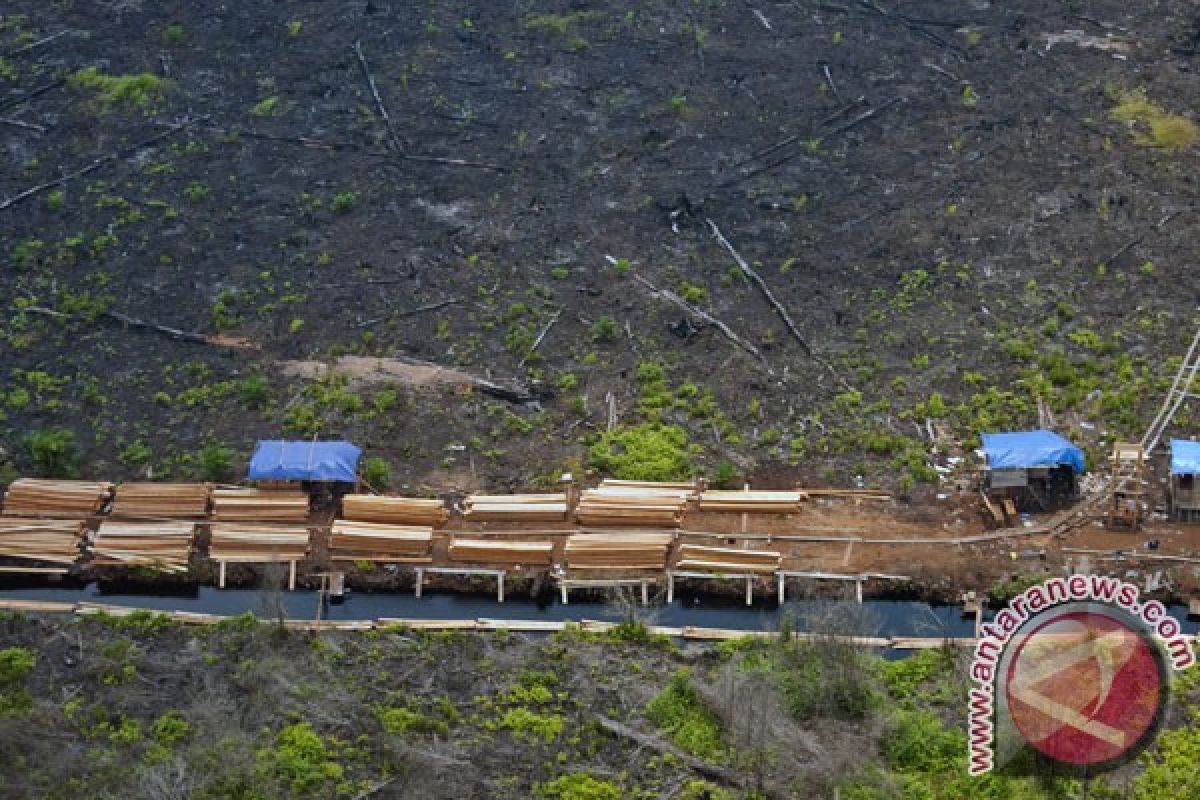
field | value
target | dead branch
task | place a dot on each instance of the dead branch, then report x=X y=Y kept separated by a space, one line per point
x=16 y=123
x=750 y=273
x=1125 y=248
x=133 y=322
x=16 y=101
x=412 y=312
x=704 y=315
x=395 y=139
x=829 y=81
x=725 y=776
x=95 y=165
x=383 y=112
x=20 y=51
x=539 y=338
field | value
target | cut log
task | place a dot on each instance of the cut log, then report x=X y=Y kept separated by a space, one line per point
x=161 y=545
x=501 y=551
x=694 y=558
x=33 y=497
x=56 y=541
x=394 y=510
x=369 y=541
x=259 y=505
x=173 y=500
x=517 y=507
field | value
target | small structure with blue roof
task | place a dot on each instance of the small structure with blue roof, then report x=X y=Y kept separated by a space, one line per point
x=276 y=460
x=1185 y=488
x=1035 y=470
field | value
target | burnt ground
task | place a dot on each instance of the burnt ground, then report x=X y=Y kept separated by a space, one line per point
x=949 y=209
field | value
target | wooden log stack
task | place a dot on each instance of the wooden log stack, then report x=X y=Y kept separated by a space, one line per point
x=751 y=502
x=170 y=500
x=34 y=497
x=162 y=545
x=501 y=551
x=618 y=551
x=52 y=540
x=607 y=509
x=372 y=541
x=517 y=507
x=694 y=558
x=259 y=505
x=394 y=510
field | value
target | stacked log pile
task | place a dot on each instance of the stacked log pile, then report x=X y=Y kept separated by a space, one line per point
x=370 y=541
x=172 y=500
x=162 y=545
x=618 y=551
x=33 y=497
x=51 y=540
x=517 y=507
x=257 y=544
x=634 y=504
x=394 y=510
x=501 y=551
x=694 y=558
x=259 y=505
x=752 y=502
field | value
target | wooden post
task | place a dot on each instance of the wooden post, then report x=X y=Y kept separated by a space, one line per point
x=670 y=587
x=291 y=576
x=221 y=579
x=337 y=585
x=500 y=587
x=749 y=590
x=978 y=619
x=782 y=588
x=858 y=590
x=645 y=594
x=419 y=581
x=562 y=587
x=321 y=596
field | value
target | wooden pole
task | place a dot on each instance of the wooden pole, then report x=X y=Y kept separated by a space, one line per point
x=749 y=590
x=500 y=587
x=670 y=588
x=782 y=588
x=562 y=587
x=858 y=591
x=645 y=594
x=291 y=576
x=221 y=578
x=420 y=580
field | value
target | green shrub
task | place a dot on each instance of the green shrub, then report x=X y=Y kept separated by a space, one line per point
x=344 y=201
x=604 y=329
x=579 y=786
x=376 y=473
x=196 y=192
x=216 y=462
x=267 y=107
x=1151 y=124
x=399 y=721
x=647 y=452
x=682 y=715
x=726 y=476
x=825 y=678
x=15 y=664
x=170 y=729
x=529 y=725
x=142 y=90
x=917 y=742
x=53 y=452
x=301 y=759
x=253 y=391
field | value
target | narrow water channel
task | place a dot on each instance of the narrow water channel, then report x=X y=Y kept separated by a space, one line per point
x=872 y=618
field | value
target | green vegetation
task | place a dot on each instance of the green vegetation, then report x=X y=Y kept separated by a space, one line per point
x=647 y=452
x=580 y=786
x=267 y=107
x=683 y=716
x=53 y=452
x=216 y=462
x=1151 y=124
x=377 y=473
x=143 y=90
x=15 y=664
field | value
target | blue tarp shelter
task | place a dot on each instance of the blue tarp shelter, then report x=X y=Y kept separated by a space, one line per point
x=1185 y=457
x=1026 y=449
x=304 y=461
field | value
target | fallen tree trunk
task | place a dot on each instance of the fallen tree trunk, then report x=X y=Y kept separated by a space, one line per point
x=717 y=773
x=134 y=322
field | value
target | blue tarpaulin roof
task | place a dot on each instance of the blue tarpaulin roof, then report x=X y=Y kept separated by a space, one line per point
x=304 y=461
x=1031 y=449
x=1185 y=457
